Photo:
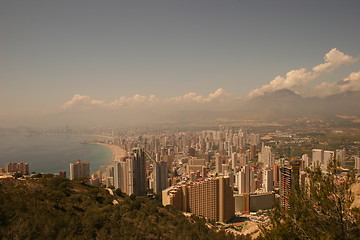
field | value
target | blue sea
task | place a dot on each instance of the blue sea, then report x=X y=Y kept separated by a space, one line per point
x=53 y=153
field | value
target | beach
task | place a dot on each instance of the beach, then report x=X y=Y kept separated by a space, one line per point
x=118 y=152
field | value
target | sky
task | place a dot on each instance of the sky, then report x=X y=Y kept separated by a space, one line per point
x=76 y=55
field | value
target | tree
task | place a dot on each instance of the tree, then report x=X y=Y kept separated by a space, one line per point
x=318 y=210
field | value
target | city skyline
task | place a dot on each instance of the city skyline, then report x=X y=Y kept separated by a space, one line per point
x=70 y=58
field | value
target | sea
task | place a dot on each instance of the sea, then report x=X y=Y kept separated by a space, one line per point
x=53 y=153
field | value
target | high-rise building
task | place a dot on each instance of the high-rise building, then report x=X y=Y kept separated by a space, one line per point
x=305 y=159
x=212 y=198
x=109 y=172
x=130 y=174
x=128 y=178
x=246 y=180
x=160 y=176
x=254 y=139
x=268 y=180
x=328 y=158
x=124 y=176
x=340 y=156
x=241 y=182
x=357 y=162
x=252 y=152
x=233 y=161
x=109 y=181
x=22 y=168
x=218 y=164
x=117 y=175
x=79 y=169
x=266 y=156
x=139 y=171
x=289 y=180
x=276 y=175
x=317 y=157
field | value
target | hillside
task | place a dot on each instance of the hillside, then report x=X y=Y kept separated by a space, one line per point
x=57 y=208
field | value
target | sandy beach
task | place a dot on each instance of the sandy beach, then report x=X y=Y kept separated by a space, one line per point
x=118 y=152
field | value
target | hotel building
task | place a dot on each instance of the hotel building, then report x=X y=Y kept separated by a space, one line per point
x=79 y=169
x=212 y=198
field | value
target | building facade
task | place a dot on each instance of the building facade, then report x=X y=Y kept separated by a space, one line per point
x=22 y=168
x=160 y=176
x=79 y=169
x=212 y=198
x=289 y=180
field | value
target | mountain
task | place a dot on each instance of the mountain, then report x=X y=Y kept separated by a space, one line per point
x=272 y=106
x=285 y=103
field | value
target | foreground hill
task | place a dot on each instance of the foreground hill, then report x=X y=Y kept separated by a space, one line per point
x=57 y=208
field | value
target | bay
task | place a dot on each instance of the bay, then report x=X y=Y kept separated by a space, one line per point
x=53 y=153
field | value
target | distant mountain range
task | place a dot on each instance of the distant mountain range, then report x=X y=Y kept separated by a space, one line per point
x=277 y=105
x=286 y=103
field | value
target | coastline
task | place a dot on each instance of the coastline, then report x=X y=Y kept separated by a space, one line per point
x=118 y=152
x=53 y=153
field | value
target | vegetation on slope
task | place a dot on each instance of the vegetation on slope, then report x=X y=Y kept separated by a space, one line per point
x=57 y=208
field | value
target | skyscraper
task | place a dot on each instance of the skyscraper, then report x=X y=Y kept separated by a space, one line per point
x=139 y=172
x=218 y=164
x=130 y=174
x=266 y=156
x=160 y=176
x=328 y=158
x=109 y=176
x=233 y=161
x=117 y=175
x=268 y=180
x=79 y=169
x=245 y=180
x=317 y=157
x=340 y=156
x=241 y=182
x=357 y=162
x=305 y=159
x=289 y=180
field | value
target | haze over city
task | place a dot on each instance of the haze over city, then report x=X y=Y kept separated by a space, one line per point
x=179 y=119
x=117 y=63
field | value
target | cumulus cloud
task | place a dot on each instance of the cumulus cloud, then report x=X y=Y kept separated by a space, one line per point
x=136 y=99
x=334 y=59
x=350 y=83
x=297 y=79
x=293 y=79
x=193 y=97
x=83 y=102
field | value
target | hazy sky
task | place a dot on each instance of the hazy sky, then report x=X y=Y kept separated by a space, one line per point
x=54 y=53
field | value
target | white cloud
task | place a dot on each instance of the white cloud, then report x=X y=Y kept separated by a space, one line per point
x=83 y=102
x=351 y=83
x=134 y=100
x=334 y=59
x=193 y=97
x=293 y=79
x=297 y=79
